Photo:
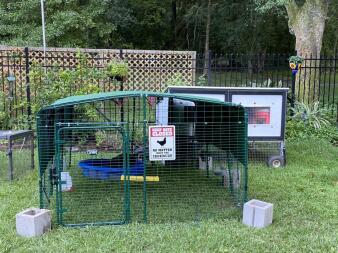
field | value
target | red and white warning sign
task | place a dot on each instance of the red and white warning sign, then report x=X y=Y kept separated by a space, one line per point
x=162 y=143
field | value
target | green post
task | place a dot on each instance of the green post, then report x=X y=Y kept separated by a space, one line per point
x=127 y=175
x=41 y=175
x=245 y=194
x=58 y=185
x=145 y=144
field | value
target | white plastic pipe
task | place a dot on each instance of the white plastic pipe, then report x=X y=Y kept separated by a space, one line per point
x=43 y=30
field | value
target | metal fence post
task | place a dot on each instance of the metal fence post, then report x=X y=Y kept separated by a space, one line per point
x=293 y=91
x=293 y=88
x=121 y=83
x=121 y=89
x=10 y=159
x=28 y=90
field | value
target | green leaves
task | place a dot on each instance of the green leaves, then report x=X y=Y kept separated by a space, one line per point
x=259 y=26
x=68 y=23
x=117 y=68
x=311 y=120
x=58 y=83
x=264 y=6
x=176 y=80
x=311 y=114
x=296 y=59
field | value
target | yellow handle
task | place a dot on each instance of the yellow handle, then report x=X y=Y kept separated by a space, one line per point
x=141 y=178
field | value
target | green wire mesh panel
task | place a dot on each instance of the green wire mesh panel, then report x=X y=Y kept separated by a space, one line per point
x=100 y=192
x=96 y=165
x=16 y=154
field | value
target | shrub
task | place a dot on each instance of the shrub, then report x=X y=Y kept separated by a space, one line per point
x=298 y=130
x=176 y=80
x=312 y=114
x=312 y=121
x=201 y=81
x=117 y=68
x=48 y=86
x=58 y=83
x=4 y=114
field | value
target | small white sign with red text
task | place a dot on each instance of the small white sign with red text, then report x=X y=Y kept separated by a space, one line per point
x=162 y=143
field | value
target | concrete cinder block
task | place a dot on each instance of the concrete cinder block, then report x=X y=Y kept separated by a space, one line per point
x=257 y=213
x=66 y=179
x=203 y=164
x=232 y=178
x=33 y=222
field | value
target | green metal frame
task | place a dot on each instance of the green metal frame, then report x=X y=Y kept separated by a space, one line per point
x=145 y=140
x=123 y=129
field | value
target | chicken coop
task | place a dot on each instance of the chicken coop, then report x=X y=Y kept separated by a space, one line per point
x=120 y=157
x=266 y=109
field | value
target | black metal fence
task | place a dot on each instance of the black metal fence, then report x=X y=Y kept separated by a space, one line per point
x=315 y=81
x=249 y=70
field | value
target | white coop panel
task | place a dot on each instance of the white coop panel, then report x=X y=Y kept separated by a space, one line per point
x=162 y=112
x=264 y=113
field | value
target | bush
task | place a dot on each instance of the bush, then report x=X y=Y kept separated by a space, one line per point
x=177 y=80
x=299 y=130
x=312 y=114
x=58 y=82
x=4 y=113
x=312 y=121
x=48 y=86
x=117 y=68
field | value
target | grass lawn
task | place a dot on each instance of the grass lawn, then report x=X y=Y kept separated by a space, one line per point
x=305 y=197
x=183 y=195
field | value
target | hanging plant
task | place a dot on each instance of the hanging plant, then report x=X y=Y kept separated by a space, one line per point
x=117 y=69
x=295 y=63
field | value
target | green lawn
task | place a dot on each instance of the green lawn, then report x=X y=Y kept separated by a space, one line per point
x=186 y=195
x=305 y=215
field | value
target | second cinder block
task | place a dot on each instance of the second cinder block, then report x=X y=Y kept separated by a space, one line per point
x=33 y=222
x=257 y=213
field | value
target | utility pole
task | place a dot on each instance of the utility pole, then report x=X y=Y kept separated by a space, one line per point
x=43 y=31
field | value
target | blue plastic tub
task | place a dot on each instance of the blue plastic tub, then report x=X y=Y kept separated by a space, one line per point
x=109 y=168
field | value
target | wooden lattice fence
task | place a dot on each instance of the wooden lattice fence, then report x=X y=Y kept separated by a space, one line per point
x=148 y=70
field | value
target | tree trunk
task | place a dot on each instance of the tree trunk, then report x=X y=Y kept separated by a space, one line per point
x=307 y=23
x=206 y=45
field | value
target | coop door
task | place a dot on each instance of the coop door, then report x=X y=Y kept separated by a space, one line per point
x=264 y=114
x=90 y=163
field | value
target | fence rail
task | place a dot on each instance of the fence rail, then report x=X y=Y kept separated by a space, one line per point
x=24 y=72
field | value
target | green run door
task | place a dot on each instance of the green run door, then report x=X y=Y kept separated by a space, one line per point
x=85 y=194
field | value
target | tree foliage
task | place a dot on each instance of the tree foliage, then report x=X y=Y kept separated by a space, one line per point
x=235 y=25
x=306 y=20
x=70 y=23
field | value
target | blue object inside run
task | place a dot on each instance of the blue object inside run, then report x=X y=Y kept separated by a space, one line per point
x=110 y=168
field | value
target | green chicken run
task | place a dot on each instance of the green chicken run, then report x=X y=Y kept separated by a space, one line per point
x=120 y=157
